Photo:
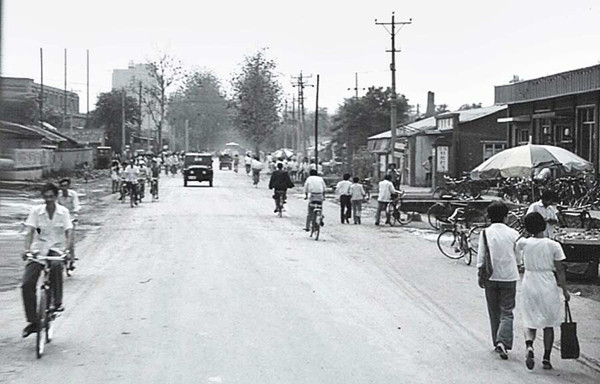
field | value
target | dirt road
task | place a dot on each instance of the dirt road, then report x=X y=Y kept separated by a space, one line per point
x=209 y=286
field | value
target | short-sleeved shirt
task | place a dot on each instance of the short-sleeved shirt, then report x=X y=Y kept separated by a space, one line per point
x=343 y=188
x=540 y=254
x=357 y=192
x=315 y=185
x=501 y=241
x=548 y=213
x=71 y=201
x=48 y=233
x=132 y=174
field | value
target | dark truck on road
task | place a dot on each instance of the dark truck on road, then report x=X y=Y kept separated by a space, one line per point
x=197 y=167
x=225 y=161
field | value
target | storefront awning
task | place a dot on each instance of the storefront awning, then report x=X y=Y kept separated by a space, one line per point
x=514 y=119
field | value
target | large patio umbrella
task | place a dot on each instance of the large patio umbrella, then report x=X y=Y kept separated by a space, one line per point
x=283 y=152
x=521 y=161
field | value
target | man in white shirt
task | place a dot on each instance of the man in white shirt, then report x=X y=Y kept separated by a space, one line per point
x=69 y=199
x=545 y=208
x=343 y=190
x=257 y=166
x=501 y=288
x=386 y=190
x=314 y=190
x=132 y=174
x=48 y=231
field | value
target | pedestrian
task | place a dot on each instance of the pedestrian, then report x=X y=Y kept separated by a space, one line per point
x=248 y=162
x=500 y=289
x=386 y=190
x=357 y=195
x=114 y=176
x=257 y=166
x=542 y=283
x=427 y=166
x=343 y=190
x=294 y=169
x=545 y=207
x=394 y=175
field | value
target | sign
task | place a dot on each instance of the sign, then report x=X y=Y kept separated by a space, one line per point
x=442 y=159
x=400 y=146
x=398 y=155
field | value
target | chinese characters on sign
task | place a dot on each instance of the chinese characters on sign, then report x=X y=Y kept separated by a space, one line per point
x=442 y=159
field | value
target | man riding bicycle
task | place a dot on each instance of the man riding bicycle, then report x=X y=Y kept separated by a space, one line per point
x=314 y=190
x=154 y=174
x=131 y=180
x=280 y=182
x=49 y=231
x=69 y=199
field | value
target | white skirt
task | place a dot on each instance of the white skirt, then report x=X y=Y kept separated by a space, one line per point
x=540 y=300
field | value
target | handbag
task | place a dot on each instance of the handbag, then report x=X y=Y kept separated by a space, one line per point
x=485 y=272
x=569 y=344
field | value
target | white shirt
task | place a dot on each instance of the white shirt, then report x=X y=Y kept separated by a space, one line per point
x=256 y=165
x=315 y=184
x=52 y=231
x=548 y=213
x=132 y=173
x=343 y=188
x=71 y=201
x=386 y=189
x=357 y=192
x=501 y=242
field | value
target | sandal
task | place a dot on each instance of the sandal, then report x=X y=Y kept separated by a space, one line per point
x=529 y=362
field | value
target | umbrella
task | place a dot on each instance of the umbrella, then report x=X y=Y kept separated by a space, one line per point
x=521 y=161
x=283 y=152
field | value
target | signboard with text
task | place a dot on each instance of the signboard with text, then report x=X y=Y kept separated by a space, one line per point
x=442 y=159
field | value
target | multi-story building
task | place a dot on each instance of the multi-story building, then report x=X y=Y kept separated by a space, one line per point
x=19 y=88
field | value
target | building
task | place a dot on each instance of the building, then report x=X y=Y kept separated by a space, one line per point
x=560 y=109
x=135 y=79
x=458 y=142
x=20 y=89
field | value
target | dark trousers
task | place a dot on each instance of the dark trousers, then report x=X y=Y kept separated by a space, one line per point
x=500 y=297
x=30 y=279
x=345 y=208
x=381 y=206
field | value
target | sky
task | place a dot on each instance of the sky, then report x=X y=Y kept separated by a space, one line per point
x=458 y=49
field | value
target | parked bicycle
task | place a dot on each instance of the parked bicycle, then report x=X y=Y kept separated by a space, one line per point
x=454 y=241
x=462 y=189
x=45 y=311
x=440 y=213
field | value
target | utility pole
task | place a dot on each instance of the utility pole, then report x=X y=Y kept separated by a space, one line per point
x=187 y=136
x=301 y=84
x=355 y=89
x=394 y=106
x=140 y=106
x=122 y=121
x=64 y=122
x=42 y=88
x=285 y=123
x=87 y=116
x=294 y=135
x=317 y=126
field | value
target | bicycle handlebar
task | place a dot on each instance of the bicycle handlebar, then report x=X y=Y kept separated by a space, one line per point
x=35 y=256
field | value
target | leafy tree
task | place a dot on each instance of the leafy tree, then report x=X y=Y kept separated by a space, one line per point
x=108 y=113
x=256 y=99
x=465 y=107
x=442 y=108
x=165 y=72
x=357 y=119
x=201 y=101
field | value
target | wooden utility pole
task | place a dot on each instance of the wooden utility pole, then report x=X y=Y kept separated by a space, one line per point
x=87 y=82
x=355 y=89
x=394 y=106
x=42 y=88
x=64 y=122
x=285 y=123
x=294 y=135
x=317 y=126
x=140 y=106
x=122 y=121
x=187 y=136
x=301 y=84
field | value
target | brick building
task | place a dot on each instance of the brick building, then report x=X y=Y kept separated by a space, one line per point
x=560 y=109
x=20 y=88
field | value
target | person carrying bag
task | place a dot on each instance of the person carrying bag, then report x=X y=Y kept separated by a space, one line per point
x=569 y=344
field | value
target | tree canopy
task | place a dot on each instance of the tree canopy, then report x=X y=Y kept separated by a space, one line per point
x=108 y=113
x=256 y=100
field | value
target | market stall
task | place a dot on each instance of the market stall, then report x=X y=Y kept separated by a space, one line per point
x=582 y=248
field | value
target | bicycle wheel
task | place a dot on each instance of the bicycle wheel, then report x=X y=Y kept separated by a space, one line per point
x=438 y=214
x=42 y=318
x=465 y=248
x=279 y=207
x=404 y=217
x=390 y=212
x=449 y=244
x=317 y=225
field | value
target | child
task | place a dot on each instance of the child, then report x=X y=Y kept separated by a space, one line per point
x=357 y=195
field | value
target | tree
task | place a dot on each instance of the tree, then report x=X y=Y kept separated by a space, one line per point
x=165 y=72
x=108 y=113
x=202 y=103
x=256 y=99
x=442 y=108
x=465 y=107
x=357 y=119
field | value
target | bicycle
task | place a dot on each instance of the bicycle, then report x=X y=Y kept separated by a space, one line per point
x=70 y=259
x=440 y=213
x=279 y=201
x=154 y=188
x=395 y=212
x=45 y=312
x=454 y=242
x=316 y=219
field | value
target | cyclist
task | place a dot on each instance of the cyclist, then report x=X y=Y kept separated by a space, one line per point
x=280 y=182
x=314 y=187
x=49 y=230
x=155 y=174
x=69 y=199
x=257 y=166
x=142 y=176
x=131 y=179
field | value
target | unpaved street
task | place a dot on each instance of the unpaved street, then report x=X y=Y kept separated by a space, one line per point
x=209 y=286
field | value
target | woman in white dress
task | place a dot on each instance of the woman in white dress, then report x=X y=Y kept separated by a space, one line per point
x=542 y=283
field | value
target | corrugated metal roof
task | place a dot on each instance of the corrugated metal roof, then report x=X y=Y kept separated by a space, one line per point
x=476 y=113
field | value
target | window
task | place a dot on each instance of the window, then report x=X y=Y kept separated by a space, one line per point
x=585 y=132
x=523 y=137
x=491 y=148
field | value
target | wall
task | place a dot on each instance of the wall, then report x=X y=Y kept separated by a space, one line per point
x=32 y=164
x=69 y=159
